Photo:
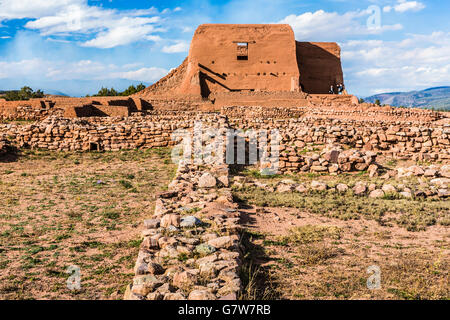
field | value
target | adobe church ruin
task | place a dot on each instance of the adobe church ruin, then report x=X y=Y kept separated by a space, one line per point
x=247 y=58
x=246 y=66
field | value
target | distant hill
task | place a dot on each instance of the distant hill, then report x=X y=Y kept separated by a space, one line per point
x=437 y=98
x=54 y=93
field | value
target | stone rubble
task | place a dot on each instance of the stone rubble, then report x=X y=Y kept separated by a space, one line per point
x=437 y=187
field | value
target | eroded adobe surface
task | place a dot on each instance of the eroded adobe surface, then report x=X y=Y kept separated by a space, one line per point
x=247 y=58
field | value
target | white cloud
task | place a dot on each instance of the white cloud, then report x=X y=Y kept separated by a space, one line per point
x=403 y=6
x=180 y=46
x=420 y=61
x=107 y=28
x=127 y=30
x=13 y=9
x=322 y=25
x=144 y=74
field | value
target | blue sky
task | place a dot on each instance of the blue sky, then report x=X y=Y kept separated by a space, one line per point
x=77 y=46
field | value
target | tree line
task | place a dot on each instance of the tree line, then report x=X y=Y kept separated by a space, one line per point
x=25 y=93
x=106 y=92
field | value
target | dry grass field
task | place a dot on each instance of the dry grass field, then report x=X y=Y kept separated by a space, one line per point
x=319 y=245
x=85 y=209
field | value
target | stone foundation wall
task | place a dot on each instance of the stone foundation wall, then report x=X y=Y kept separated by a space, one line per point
x=190 y=247
x=300 y=136
x=399 y=140
x=102 y=133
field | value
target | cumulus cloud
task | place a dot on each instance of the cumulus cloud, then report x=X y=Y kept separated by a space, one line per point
x=404 y=5
x=13 y=9
x=101 y=28
x=144 y=74
x=419 y=61
x=179 y=46
x=322 y=25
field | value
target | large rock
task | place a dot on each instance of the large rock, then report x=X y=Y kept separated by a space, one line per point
x=341 y=187
x=318 y=185
x=205 y=249
x=207 y=180
x=190 y=222
x=360 y=188
x=170 y=220
x=318 y=168
x=388 y=188
x=376 y=194
x=282 y=188
x=184 y=279
x=152 y=223
x=445 y=171
x=223 y=242
x=201 y=295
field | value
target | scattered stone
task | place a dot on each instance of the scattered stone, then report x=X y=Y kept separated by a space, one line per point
x=376 y=194
x=341 y=187
x=372 y=170
x=318 y=185
x=406 y=194
x=388 y=188
x=282 y=188
x=360 y=188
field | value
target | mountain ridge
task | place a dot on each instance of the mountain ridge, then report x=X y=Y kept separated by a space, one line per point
x=431 y=98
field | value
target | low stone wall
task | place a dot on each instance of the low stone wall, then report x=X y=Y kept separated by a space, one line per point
x=400 y=140
x=191 y=243
x=435 y=185
x=300 y=137
x=107 y=134
x=333 y=159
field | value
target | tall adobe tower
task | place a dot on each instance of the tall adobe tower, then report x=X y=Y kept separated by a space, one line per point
x=252 y=58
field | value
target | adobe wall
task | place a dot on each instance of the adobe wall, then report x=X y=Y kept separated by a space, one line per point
x=320 y=67
x=269 y=64
x=39 y=109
